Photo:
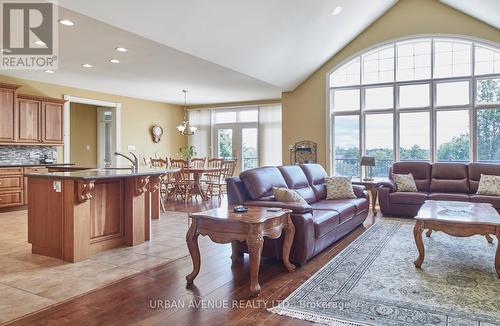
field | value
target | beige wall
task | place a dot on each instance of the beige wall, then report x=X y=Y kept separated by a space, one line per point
x=304 y=109
x=138 y=116
x=83 y=126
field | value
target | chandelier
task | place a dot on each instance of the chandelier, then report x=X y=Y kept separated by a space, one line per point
x=185 y=128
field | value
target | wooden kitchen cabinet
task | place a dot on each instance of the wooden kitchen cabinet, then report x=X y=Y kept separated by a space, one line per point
x=52 y=123
x=11 y=187
x=29 y=121
x=25 y=181
x=41 y=120
x=8 y=113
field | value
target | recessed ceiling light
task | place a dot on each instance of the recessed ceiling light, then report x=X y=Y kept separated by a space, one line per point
x=87 y=65
x=120 y=49
x=66 y=22
x=337 y=10
x=114 y=61
x=41 y=43
x=50 y=71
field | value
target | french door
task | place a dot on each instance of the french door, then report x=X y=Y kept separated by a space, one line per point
x=238 y=141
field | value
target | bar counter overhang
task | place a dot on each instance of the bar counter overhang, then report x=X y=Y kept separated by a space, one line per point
x=73 y=215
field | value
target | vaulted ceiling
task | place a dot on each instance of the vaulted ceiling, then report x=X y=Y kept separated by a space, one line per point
x=220 y=50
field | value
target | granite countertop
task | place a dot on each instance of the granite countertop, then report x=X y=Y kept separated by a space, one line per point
x=104 y=173
x=18 y=165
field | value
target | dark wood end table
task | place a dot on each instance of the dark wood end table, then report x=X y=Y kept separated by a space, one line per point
x=459 y=219
x=222 y=225
x=371 y=186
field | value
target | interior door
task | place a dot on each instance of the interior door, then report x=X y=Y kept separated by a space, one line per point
x=240 y=142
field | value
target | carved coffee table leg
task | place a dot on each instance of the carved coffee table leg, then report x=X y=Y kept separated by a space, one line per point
x=417 y=233
x=428 y=233
x=497 y=256
x=488 y=238
x=254 y=243
x=289 y=234
x=236 y=255
x=194 y=251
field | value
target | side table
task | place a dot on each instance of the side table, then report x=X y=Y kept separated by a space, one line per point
x=223 y=225
x=371 y=186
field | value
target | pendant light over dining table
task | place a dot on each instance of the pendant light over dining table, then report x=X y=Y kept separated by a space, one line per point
x=185 y=128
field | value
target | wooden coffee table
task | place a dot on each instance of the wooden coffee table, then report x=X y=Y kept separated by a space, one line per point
x=222 y=225
x=459 y=219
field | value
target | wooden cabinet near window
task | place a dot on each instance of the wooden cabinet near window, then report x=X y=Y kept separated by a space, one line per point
x=8 y=113
x=41 y=120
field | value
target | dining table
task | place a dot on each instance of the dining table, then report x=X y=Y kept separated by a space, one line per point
x=198 y=173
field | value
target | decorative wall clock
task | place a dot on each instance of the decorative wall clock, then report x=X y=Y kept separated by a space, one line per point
x=156 y=132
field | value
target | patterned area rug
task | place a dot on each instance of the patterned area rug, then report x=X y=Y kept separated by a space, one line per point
x=374 y=282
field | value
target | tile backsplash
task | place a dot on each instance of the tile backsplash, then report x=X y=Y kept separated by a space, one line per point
x=25 y=154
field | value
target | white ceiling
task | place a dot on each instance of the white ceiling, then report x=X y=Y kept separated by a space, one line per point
x=220 y=50
x=486 y=10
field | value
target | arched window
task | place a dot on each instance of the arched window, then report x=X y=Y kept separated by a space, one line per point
x=431 y=99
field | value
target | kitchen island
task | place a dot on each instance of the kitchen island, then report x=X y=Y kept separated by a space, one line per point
x=73 y=215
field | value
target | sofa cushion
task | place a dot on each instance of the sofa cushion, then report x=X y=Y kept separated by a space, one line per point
x=489 y=185
x=476 y=169
x=450 y=177
x=405 y=182
x=421 y=172
x=296 y=179
x=316 y=176
x=448 y=196
x=345 y=208
x=409 y=198
x=260 y=181
x=324 y=222
x=494 y=200
x=286 y=195
x=339 y=188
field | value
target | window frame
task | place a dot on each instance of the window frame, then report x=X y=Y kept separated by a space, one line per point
x=433 y=109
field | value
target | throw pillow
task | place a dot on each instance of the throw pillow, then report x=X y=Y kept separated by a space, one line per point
x=489 y=185
x=405 y=182
x=339 y=188
x=287 y=196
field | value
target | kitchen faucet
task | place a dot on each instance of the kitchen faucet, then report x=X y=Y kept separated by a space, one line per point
x=135 y=161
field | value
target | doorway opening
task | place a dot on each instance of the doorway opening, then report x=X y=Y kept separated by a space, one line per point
x=92 y=132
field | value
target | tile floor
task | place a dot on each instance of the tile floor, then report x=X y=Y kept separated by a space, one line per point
x=31 y=282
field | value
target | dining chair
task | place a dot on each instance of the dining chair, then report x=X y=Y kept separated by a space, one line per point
x=183 y=184
x=198 y=162
x=213 y=178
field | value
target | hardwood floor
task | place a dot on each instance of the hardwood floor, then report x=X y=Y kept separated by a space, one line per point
x=219 y=295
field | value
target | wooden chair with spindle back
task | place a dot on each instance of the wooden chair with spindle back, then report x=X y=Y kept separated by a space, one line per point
x=198 y=162
x=212 y=178
x=183 y=183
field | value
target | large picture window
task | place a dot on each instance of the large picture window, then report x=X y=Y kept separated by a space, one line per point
x=430 y=99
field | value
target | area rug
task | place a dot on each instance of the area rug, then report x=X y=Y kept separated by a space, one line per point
x=374 y=282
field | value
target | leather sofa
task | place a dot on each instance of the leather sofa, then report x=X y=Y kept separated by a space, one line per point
x=318 y=224
x=438 y=181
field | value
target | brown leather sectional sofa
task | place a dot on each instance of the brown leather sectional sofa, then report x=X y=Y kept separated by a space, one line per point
x=438 y=181
x=318 y=224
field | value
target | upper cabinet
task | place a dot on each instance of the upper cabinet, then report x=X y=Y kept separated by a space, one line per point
x=52 y=123
x=27 y=119
x=8 y=113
